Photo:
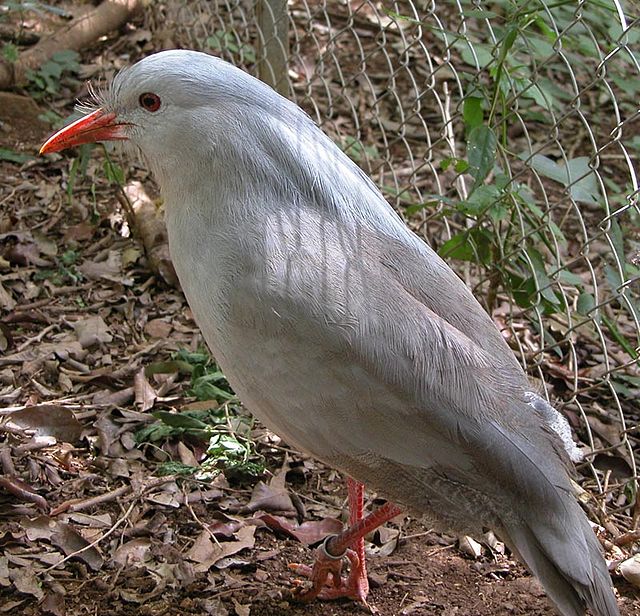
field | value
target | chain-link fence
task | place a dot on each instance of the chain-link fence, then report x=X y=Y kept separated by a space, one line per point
x=507 y=135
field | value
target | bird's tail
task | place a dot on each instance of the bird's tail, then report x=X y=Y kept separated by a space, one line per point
x=568 y=562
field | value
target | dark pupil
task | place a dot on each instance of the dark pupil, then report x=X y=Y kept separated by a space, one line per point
x=150 y=101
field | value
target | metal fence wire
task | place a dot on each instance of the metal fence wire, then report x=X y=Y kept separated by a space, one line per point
x=506 y=133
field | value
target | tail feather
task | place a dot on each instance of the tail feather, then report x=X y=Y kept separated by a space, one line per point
x=571 y=568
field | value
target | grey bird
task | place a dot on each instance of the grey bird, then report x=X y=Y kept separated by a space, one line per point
x=341 y=329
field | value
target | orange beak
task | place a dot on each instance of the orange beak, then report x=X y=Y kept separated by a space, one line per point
x=97 y=126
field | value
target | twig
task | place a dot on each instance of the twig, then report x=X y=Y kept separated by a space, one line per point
x=37 y=338
x=450 y=139
x=90 y=502
x=78 y=33
x=626 y=538
x=96 y=541
x=7 y=462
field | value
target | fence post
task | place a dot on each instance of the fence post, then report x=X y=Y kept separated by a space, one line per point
x=273 y=44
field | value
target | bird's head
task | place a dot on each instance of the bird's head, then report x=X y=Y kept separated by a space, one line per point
x=169 y=105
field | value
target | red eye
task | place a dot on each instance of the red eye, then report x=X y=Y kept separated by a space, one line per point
x=149 y=101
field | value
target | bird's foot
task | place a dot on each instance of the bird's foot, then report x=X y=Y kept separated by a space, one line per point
x=327 y=581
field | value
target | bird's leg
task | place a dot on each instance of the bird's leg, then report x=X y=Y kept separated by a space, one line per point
x=330 y=554
x=355 y=490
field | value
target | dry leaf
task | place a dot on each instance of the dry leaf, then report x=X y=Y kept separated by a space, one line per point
x=469 y=546
x=110 y=269
x=81 y=231
x=134 y=551
x=145 y=395
x=158 y=328
x=25 y=580
x=308 y=532
x=6 y=300
x=70 y=541
x=206 y=552
x=630 y=570
x=92 y=331
x=48 y=420
x=241 y=610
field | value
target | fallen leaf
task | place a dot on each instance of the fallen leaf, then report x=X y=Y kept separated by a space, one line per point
x=46 y=350
x=92 y=331
x=307 y=533
x=134 y=551
x=26 y=581
x=46 y=245
x=70 y=541
x=158 y=328
x=206 y=552
x=4 y=571
x=6 y=300
x=241 y=610
x=48 y=420
x=39 y=528
x=81 y=231
x=272 y=497
x=145 y=394
x=469 y=546
x=109 y=269
x=630 y=570
x=130 y=255
x=53 y=604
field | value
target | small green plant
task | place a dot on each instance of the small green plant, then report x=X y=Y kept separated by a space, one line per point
x=14 y=157
x=358 y=151
x=227 y=41
x=46 y=79
x=223 y=427
x=10 y=53
x=65 y=271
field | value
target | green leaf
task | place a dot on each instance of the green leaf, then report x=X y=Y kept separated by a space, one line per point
x=179 y=420
x=480 y=14
x=168 y=367
x=472 y=112
x=14 y=157
x=481 y=152
x=480 y=200
x=113 y=172
x=619 y=337
x=613 y=277
x=10 y=53
x=542 y=280
x=458 y=247
x=471 y=245
x=617 y=239
x=585 y=304
x=483 y=54
x=414 y=208
x=569 y=278
x=175 y=468
x=585 y=189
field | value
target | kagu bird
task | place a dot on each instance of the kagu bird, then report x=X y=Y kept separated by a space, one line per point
x=342 y=330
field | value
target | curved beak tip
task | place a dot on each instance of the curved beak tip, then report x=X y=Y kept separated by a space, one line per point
x=99 y=125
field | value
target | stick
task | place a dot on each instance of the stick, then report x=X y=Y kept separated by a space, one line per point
x=77 y=34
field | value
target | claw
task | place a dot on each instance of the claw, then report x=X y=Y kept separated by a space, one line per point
x=327 y=581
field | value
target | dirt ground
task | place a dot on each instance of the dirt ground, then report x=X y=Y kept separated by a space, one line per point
x=87 y=524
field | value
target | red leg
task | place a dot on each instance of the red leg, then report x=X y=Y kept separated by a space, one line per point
x=325 y=575
x=356 y=511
